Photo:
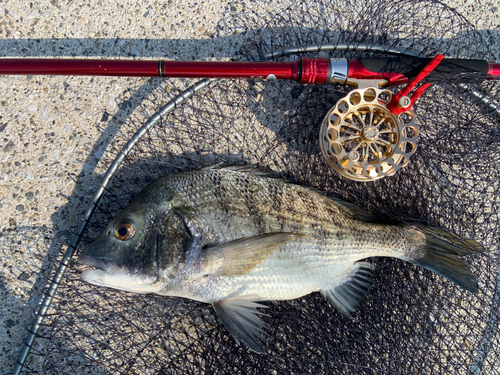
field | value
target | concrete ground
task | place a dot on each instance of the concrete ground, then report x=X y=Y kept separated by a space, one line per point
x=53 y=130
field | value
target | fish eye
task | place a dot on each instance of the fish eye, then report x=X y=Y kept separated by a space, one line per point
x=124 y=230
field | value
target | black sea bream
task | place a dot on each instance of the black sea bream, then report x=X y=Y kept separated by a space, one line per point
x=233 y=237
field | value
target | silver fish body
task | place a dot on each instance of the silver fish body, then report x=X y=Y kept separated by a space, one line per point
x=233 y=236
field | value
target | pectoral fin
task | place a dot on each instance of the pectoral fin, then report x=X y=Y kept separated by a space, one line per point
x=243 y=255
x=238 y=314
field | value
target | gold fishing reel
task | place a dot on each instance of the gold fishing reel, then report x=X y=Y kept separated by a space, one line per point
x=362 y=140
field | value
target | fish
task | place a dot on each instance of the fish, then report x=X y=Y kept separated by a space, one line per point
x=235 y=236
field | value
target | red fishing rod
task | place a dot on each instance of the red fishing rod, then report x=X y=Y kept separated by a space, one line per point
x=367 y=135
x=320 y=71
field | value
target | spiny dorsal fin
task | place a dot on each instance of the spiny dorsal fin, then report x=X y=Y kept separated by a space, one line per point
x=243 y=255
x=354 y=210
x=247 y=168
x=347 y=297
x=238 y=314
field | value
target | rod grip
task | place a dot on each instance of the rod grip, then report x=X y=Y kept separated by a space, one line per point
x=410 y=67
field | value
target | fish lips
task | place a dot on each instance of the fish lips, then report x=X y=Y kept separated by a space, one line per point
x=102 y=264
x=111 y=275
x=114 y=275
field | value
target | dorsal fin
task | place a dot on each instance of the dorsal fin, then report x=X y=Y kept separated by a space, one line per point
x=247 y=168
x=356 y=211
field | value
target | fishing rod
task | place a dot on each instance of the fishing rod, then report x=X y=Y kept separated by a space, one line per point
x=367 y=135
x=394 y=70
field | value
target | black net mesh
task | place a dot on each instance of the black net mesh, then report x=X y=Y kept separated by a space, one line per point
x=413 y=321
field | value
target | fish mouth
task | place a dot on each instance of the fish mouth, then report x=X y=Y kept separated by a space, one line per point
x=97 y=276
x=110 y=274
x=102 y=264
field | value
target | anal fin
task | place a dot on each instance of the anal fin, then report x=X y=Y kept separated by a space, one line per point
x=238 y=314
x=347 y=297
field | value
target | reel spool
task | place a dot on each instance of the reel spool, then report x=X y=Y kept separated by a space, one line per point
x=362 y=140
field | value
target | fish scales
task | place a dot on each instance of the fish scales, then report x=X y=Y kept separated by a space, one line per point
x=251 y=197
x=233 y=236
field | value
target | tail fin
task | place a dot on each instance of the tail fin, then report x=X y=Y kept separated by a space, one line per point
x=444 y=257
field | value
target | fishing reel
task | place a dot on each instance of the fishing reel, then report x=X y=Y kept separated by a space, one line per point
x=363 y=140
